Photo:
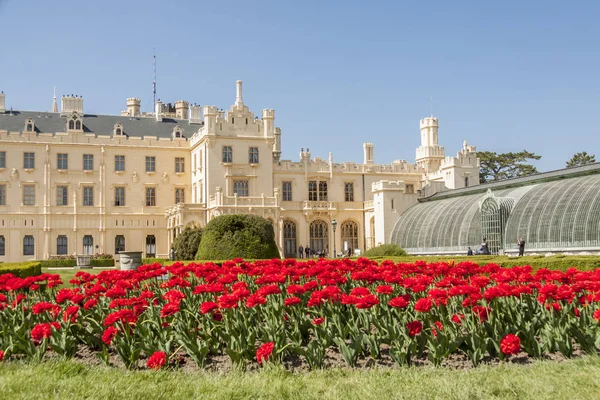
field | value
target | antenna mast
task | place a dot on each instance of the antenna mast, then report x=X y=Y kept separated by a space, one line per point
x=154 y=82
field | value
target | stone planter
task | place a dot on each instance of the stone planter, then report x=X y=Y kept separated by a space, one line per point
x=83 y=261
x=130 y=260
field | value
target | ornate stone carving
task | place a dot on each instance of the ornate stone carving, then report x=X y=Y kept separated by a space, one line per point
x=165 y=178
x=14 y=174
x=135 y=177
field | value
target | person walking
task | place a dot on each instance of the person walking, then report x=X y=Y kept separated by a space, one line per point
x=301 y=251
x=172 y=254
x=521 y=244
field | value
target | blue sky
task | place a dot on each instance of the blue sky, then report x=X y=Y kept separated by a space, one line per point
x=505 y=76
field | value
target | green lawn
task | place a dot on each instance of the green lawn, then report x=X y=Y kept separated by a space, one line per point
x=573 y=379
x=67 y=274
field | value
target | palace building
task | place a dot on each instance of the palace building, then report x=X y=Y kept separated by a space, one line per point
x=78 y=183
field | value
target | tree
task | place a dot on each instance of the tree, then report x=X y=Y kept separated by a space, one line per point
x=186 y=243
x=237 y=235
x=580 y=159
x=497 y=167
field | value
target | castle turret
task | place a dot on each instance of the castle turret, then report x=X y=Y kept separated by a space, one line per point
x=71 y=104
x=210 y=119
x=195 y=114
x=133 y=107
x=430 y=154
x=277 y=145
x=158 y=111
x=181 y=109
x=368 y=153
x=268 y=117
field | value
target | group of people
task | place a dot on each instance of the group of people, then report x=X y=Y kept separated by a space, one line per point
x=484 y=249
x=307 y=252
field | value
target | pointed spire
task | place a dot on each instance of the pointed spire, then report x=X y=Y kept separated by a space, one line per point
x=54 y=105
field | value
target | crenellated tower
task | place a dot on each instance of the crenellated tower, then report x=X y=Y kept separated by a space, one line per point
x=430 y=154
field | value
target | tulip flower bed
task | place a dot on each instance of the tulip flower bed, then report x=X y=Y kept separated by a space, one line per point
x=270 y=311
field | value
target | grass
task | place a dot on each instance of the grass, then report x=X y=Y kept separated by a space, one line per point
x=576 y=379
x=67 y=274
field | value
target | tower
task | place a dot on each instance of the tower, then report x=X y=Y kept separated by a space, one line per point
x=430 y=154
x=54 y=104
x=133 y=107
x=368 y=153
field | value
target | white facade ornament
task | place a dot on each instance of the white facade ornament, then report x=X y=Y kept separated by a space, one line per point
x=14 y=174
x=135 y=177
x=165 y=178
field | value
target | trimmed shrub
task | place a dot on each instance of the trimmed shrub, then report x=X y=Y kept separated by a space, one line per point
x=59 y=263
x=385 y=250
x=161 y=261
x=238 y=235
x=186 y=244
x=21 y=269
x=102 y=262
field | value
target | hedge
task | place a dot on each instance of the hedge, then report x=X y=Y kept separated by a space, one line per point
x=70 y=263
x=385 y=250
x=21 y=269
x=102 y=262
x=154 y=260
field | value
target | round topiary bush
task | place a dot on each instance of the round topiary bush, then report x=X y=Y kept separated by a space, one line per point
x=186 y=243
x=238 y=235
x=385 y=250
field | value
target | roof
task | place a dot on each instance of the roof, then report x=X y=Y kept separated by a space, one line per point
x=549 y=176
x=46 y=122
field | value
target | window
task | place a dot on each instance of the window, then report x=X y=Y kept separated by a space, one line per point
x=466 y=181
x=88 y=196
x=227 y=154
x=62 y=161
x=29 y=160
x=177 y=132
x=322 y=191
x=179 y=195
x=88 y=162
x=119 y=163
x=410 y=188
x=29 y=125
x=253 y=155
x=312 y=190
x=240 y=188
x=179 y=164
x=78 y=125
x=2 y=195
x=2 y=159
x=29 y=195
x=349 y=235
x=119 y=196
x=349 y=191
x=287 y=190
x=289 y=239
x=28 y=245
x=150 y=164
x=118 y=130
x=62 y=196
x=150 y=197
x=319 y=236
x=2 y=246
x=119 y=243
x=88 y=245
x=61 y=245
x=150 y=246
x=71 y=124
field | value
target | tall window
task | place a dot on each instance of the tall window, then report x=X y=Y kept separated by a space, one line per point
x=88 y=162
x=62 y=245
x=119 y=163
x=119 y=243
x=349 y=191
x=409 y=188
x=2 y=159
x=253 y=155
x=88 y=244
x=319 y=236
x=88 y=196
x=150 y=164
x=150 y=197
x=2 y=246
x=62 y=196
x=312 y=191
x=240 y=188
x=179 y=164
x=119 y=196
x=29 y=195
x=322 y=191
x=62 y=161
x=28 y=245
x=227 y=154
x=289 y=239
x=150 y=246
x=286 y=187
x=179 y=195
x=2 y=195
x=466 y=181
x=29 y=160
x=350 y=235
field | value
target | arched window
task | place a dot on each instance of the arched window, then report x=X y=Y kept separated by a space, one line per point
x=78 y=125
x=150 y=246
x=29 y=125
x=349 y=235
x=289 y=239
x=71 y=124
x=28 y=245
x=2 y=245
x=177 y=132
x=61 y=245
x=88 y=245
x=119 y=243
x=319 y=236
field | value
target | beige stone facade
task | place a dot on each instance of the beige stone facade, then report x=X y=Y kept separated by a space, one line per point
x=73 y=183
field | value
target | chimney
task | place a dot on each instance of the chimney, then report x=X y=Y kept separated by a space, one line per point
x=2 y=105
x=71 y=104
x=133 y=107
x=195 y=114
x=368 y=153
x=181 y=109
x=238 y=98
x=158 y=110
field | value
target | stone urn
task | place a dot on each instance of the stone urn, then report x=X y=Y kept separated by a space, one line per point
x=130 y=260
x=83 y=261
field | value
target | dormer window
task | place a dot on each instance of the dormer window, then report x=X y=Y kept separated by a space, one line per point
x=177 y=132
x=74 y=123
x=118 y=129
x=29 y=125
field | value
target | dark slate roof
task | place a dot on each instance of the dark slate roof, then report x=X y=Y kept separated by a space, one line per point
x=549 y=176
x=99 y=124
